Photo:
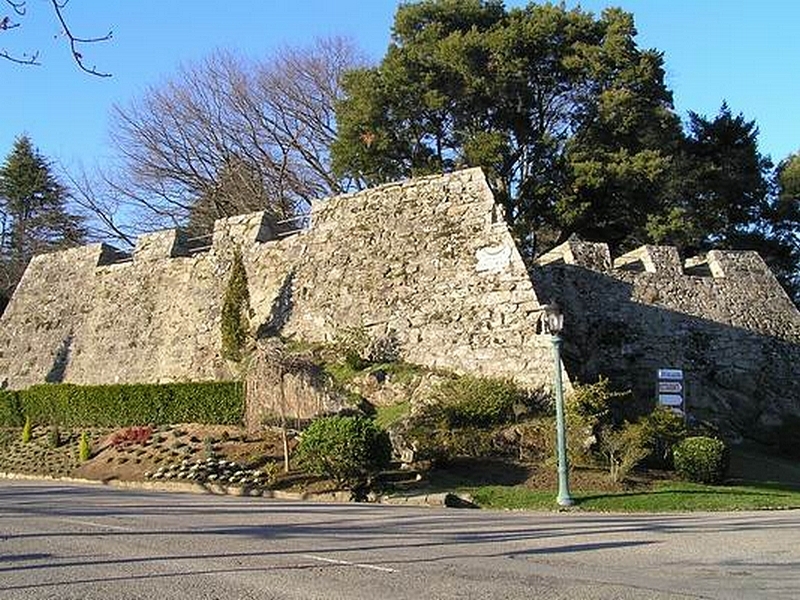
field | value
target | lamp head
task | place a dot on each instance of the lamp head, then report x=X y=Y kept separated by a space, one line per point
x=553 y=318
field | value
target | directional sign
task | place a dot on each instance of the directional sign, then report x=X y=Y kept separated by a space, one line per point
x=670 y=399
x=670 y=387
x=671 y=374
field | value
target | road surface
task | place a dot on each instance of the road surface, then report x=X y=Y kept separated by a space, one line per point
x=93 y=542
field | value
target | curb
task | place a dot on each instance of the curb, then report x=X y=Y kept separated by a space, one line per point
x=437 y=500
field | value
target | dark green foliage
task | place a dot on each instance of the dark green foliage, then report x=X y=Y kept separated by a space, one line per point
x=465 y=417
x=348 y=449
x=54 y=437
x=33 y=212
x=595 y=405
x=789 y=436
x=236 y=312
x=126 y=405
x=613 y=428
x=569 y=118
x=573 y=125
x=10 y=411
x=701 y=459
x=662 y=431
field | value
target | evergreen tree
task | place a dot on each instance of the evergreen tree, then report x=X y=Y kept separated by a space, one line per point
x=571 y=121
x=33 y=213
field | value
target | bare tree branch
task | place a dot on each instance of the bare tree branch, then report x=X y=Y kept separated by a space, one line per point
x=20 y=8
x=228 y=136
x=74 y=41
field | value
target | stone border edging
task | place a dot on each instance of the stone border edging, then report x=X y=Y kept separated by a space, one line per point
x=437 y=500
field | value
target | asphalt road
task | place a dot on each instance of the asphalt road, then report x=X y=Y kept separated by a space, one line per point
x=86 y=542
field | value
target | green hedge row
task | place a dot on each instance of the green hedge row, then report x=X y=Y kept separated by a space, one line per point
x=71 y=405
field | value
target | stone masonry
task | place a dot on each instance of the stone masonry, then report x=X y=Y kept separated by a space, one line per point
x=722 y=318
x=430 y=263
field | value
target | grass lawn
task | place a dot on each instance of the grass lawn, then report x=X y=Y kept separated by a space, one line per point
x=661 y=497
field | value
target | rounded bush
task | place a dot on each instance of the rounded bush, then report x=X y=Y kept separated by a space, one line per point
x=347 y=449
x=701 y=459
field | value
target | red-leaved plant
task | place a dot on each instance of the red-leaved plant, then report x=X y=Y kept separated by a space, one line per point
x=131 y=435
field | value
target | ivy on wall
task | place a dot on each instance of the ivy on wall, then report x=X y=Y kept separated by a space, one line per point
x=235 y=311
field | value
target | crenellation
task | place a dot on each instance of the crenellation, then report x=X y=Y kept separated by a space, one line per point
x=160 y=245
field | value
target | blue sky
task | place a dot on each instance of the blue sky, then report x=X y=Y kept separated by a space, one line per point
x=743 y=52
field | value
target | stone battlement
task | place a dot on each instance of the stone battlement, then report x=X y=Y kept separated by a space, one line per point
x=431 y=264
x=428 y=261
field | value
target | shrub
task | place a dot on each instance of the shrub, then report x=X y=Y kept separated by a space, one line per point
x=27 y=431
x=131 y=435
x=624 y=448
x=701 y=459
x=662 y=431
x=477 y=402
x=219 y=403
x=235 y=315
x=348 y=449
x=54 y=437
x=10 y=410
x=596 y=404
x=84 y=448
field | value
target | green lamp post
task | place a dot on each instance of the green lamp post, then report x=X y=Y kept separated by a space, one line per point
x=553 y=324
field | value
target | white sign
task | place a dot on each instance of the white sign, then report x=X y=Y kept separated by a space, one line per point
x=670 y=387
x=670 y=399
x=493 y=259
x=673 y=374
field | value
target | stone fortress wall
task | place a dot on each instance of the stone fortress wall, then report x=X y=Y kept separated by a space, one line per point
x=431 y=263
x=721 y=318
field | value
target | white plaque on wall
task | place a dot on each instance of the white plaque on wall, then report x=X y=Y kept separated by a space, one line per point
x=493 y=259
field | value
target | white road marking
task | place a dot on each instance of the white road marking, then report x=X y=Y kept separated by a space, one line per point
x=93 y=524
x=349 y=564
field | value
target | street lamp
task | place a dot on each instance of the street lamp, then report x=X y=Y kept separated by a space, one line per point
x=553 y=324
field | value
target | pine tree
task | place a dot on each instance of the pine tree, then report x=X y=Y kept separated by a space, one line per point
x=33 y=213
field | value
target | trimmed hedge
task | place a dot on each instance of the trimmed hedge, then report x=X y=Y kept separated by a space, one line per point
x=11 y=414
x=71 y=405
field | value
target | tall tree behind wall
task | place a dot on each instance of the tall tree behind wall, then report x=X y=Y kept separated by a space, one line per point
x=723 y=193
x=569 y=118
x=572 y=123
x=227 y=136
x=33 y=213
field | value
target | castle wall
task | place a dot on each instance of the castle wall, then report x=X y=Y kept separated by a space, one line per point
x=428 y=262
x=724 y=320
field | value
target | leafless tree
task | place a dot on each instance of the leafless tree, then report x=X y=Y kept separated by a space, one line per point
x=228 y=135
x=20 y=7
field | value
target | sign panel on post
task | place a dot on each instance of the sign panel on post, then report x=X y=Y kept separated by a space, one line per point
x=671 y=374
x=675 y=400
x=670 y=390
x=670 y=387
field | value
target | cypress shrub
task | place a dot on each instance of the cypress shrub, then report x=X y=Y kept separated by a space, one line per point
x=235 y=311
